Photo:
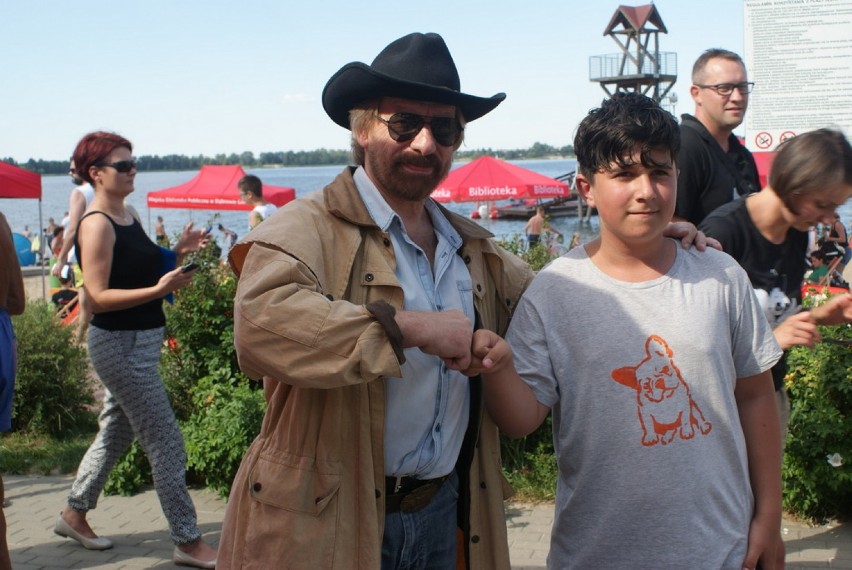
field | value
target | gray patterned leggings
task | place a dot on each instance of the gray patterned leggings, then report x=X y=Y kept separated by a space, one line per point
x=136 y=405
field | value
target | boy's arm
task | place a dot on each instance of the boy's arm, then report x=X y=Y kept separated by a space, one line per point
x=509 y=400
x=761 y=427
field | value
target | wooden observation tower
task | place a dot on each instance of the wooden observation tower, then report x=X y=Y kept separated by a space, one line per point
x=640 y=66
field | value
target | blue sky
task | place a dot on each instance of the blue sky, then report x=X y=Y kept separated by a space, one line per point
x=192 y=77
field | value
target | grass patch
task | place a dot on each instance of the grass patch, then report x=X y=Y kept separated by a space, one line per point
x=23 y=454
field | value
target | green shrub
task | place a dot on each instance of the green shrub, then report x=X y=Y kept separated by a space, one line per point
x=530 y=463
x=537 y=256
x=819 y=381
x=130 y=474
x=228 y=415
x=53 y=393
x=200 y=328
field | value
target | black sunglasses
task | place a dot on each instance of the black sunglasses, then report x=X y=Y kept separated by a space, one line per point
x=446 y=131
x=123 y=166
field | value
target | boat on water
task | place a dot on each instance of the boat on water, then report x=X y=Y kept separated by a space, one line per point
x=525 y=209
x=571 y=205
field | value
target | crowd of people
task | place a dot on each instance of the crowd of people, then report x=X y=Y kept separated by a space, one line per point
x=395 y=339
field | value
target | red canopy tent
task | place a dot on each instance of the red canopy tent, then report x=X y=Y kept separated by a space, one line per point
x=764 y=162
x=15 y=182
x=492 y=179
x=215 y=188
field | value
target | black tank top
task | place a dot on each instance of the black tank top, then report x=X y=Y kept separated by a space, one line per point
x=137 y=262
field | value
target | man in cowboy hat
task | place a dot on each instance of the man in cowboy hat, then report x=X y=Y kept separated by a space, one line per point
x=356 y=306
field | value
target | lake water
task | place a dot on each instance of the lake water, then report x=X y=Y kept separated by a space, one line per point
x=55 y=191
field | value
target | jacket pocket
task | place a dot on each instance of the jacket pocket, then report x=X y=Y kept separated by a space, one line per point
x=294 y=512
x=298 y=484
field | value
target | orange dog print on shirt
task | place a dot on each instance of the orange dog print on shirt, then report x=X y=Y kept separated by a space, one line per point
x=665 y=406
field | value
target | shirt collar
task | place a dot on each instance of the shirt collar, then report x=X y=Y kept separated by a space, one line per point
x=384 y=216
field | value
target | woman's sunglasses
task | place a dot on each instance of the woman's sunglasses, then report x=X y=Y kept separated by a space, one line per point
x=123 y=166
x=402 y=127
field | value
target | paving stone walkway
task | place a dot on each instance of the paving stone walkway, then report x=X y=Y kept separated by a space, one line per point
x=141 y=537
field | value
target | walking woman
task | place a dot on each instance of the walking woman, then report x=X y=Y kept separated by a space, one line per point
x=125 y=279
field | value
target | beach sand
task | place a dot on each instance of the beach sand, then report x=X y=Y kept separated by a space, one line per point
x=32 y=286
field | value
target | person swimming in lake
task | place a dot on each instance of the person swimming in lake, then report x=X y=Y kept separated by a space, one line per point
x=536 y=225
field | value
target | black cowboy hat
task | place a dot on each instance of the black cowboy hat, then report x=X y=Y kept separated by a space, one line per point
x=416 y=66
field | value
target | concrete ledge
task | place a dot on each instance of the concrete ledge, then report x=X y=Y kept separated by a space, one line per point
x=35 y=270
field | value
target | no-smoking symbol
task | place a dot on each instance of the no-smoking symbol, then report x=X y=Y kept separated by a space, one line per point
x=763 y=140
x=786 y=135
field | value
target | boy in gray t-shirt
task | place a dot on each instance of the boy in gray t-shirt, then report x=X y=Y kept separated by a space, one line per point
x=655 y=363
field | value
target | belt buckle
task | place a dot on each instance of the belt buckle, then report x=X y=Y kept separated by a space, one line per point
x=418 y=499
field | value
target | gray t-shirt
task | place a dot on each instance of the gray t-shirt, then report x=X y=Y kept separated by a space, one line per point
x=640 y=378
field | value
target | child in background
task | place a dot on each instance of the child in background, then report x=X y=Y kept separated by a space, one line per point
x=67 y=293
x=664 y=418
x=820 y=269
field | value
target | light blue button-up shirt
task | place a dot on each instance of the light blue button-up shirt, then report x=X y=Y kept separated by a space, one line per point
x=427 y=409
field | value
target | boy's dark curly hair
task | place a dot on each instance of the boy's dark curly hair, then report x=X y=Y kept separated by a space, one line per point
x=611 y=133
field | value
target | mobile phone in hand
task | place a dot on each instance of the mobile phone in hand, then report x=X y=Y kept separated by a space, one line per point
x=189 y=267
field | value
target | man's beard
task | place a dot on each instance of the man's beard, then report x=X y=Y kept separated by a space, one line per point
x=391 y=178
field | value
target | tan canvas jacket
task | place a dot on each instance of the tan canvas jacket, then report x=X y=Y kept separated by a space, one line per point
x=310 y=490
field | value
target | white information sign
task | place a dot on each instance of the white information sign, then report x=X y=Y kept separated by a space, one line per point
x=799 y=55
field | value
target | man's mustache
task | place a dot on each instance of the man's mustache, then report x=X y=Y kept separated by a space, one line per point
x=419 y=161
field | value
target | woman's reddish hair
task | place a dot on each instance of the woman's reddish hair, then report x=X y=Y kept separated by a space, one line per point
x=93 y=149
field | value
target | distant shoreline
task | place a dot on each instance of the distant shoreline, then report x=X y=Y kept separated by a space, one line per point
x=185 y=163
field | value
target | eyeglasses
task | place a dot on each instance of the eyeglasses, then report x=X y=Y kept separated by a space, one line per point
x=446 y=131
x=725 y=89
x=123 y=166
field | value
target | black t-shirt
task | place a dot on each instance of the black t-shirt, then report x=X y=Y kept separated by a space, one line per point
x=137 y=262
x=709 y=177
x=776 y=271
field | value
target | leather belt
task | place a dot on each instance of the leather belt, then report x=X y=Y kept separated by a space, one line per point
x=410 y=495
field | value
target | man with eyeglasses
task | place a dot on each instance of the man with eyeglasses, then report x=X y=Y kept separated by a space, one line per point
x=356 y=306
x=714 y=167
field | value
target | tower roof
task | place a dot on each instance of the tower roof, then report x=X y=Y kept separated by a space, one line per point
x=635 y=18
